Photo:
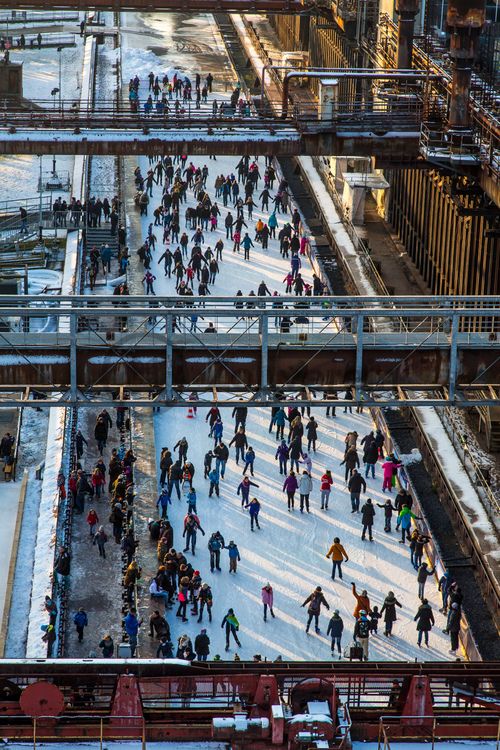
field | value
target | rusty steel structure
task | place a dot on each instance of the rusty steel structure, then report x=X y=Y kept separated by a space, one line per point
x=171 y=6
x=247 y=704
x=73 y=349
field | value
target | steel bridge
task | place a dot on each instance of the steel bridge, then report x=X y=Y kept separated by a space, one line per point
x=174 y=700
x=173 y=6
x=425 y=350
x=386 y=129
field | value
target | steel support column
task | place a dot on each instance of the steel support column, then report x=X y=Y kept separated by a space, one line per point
x=406 y=10
x=465 y=20
x=73 y=370
x=452 y=379
x=168 y=359
x=264 y=331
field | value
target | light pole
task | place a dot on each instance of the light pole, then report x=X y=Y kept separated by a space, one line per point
x=59 y=50
x=40 y=211
x=54 y=93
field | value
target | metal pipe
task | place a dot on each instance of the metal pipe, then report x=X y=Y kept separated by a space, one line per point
x=315 y=68
x=395 y=75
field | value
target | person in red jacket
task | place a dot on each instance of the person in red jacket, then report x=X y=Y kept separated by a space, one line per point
x=325 y=488
x=92 y=520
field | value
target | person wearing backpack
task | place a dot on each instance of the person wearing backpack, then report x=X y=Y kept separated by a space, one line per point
x=362 y=633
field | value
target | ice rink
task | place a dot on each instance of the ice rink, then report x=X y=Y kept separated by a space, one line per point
x=290 y=549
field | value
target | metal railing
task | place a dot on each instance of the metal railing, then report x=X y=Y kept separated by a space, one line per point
x=403 y=112
x=430 y=728
x=485 y=123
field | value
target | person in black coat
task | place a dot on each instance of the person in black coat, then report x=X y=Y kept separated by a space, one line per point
x=239 y=414
x=389 y=610
x=295 y=452
x=312 y=434
x=62 y=563
x=335 y=628
x=241 y=443
x=388 y=510
x=453 y=626
x=101 y=434
x=367 y=516
x=425 y=620
x=79 y=443
x=370 y=457
x=202 y=645
x=356 y=485
x=351 y=461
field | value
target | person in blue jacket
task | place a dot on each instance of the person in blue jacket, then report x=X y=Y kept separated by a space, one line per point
x=163 y=502
x=217 y=432
x=81 y=621
x=254 y=510
x=249 y=460
x=234 y=556
x=132 y=625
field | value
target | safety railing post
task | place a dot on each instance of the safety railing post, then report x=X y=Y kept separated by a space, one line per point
x=359 y=357
x=143 y=735
x=168 y=357
x=34 y=732
x=264 y=352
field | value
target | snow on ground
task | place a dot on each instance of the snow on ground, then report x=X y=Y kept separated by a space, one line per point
x=460 y=481
x=11 y=493
x=40 y=76
x=290 y=549
x=46 y=534
x=32 y=441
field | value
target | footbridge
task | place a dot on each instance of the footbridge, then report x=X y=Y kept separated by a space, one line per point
x=72 y=350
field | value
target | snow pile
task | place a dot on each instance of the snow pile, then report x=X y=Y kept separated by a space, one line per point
x=407 y=459
x=46 y=535
x=458 y=478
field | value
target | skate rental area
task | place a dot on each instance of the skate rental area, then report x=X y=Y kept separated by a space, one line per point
x=249 y=375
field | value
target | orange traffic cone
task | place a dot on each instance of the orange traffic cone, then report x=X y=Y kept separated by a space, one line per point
x=190 y=414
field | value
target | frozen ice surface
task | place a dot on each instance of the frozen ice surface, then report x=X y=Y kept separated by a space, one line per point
x=290 y=549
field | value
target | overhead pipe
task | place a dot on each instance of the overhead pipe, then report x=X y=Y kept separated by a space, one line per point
x=332 y=71
x=401 y=75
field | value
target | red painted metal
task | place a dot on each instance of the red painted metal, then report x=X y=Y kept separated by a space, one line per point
x=172 y=702
x=418 y=708
x=127 y=702
x=42 y=699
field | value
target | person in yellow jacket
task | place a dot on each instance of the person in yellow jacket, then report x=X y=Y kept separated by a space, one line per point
x=338 y=555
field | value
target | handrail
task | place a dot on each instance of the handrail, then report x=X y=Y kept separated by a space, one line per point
x=485 y=568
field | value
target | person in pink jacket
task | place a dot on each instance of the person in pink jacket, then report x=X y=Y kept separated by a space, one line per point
x=267 y=599
x=390 y=468
x=290 y=487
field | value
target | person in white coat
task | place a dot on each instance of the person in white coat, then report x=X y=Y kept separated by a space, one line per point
x=305 y=489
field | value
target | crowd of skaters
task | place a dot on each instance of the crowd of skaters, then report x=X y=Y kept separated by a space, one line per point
x=187 y=591
x=180 y=235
